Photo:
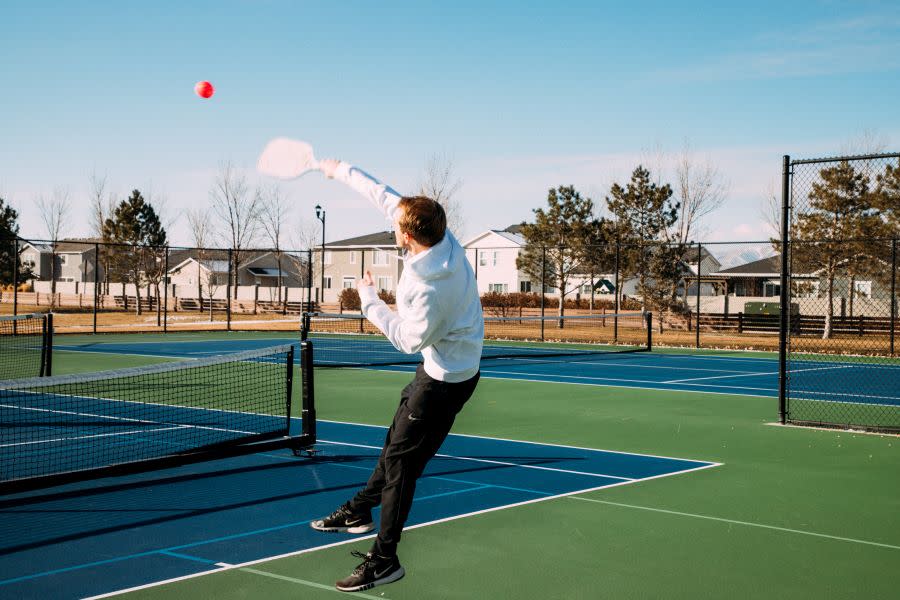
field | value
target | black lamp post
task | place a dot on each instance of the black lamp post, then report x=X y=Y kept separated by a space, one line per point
x=320 y=215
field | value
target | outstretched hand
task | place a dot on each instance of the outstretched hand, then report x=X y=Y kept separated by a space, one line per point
x=329 y=166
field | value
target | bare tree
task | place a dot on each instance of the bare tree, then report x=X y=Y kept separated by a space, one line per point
x=238 y=209
x=55 y=215
x=439 y=182
x=273 y=217
x=201 y=235
x=868 y=141
x=700 y=190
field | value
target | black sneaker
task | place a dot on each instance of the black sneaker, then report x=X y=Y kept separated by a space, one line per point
x=374 y=570
x=345 y=520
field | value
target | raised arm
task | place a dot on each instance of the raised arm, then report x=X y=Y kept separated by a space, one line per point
x=381 y=195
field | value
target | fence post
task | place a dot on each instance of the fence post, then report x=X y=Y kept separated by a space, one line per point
x=893 y=292
x=166 y=291
x=543 y=276
x=699 y=283
x=228 y=293
x=96 y=283
x=15 y=277
x=783 y=329
x=617 y=293
x=308 y=281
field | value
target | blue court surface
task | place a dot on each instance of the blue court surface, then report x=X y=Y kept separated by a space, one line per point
x=96 y=538
x=751 y=375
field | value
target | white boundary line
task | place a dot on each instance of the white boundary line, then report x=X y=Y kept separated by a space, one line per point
x=493 y=462
x=500 y=439
x=746 y=523
x=243 y=566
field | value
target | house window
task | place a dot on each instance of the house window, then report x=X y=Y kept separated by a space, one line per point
x=500 y=288
x=348 y=283
x=482 y=258
x=352 y=258
x=771 y=289
x=494 y=261
x=863 y=289
x=384 y=283
x=586 y=288
x=525 y=287
x=327 y=283
x=380 y=259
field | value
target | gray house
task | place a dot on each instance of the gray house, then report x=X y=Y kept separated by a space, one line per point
x=74 y=259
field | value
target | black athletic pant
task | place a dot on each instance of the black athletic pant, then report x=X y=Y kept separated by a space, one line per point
x=426 y=413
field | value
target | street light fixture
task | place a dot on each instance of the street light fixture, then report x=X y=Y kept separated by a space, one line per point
x=320 y=215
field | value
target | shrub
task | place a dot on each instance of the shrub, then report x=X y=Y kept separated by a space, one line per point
x=349 y=299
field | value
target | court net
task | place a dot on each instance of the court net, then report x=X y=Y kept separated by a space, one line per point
x=73 y=427
x=350 y=340
x=26 y=344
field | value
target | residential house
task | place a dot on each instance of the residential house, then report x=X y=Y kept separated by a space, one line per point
x=760 y=280
x=493 y=255
x=188 y=269
x=75 y=261
x=345 y=261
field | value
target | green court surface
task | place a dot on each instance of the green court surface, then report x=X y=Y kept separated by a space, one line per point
x=792 y=513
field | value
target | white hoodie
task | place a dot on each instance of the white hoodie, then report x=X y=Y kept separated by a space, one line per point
x=438 y=308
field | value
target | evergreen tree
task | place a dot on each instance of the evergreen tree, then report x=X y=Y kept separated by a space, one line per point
x=137 y=228
x=9 y=234
x=558 y=240
x=829 y=238
x=887 y=199
x=644 y=212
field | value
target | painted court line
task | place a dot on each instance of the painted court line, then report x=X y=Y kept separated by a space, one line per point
x=746 y=523
x=493 y=462
x=313 y=584
x=241 y=566
x=718 y=377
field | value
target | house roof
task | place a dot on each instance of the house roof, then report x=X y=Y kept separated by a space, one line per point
x=690 y=255
x=382 y=239
x=516 y=239
x=763 y=266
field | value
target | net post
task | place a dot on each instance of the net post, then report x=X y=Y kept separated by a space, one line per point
x=308 y=408
x=699 y=283
x=289 y=384
x=48 y=345
x=784 y=322
x=228 y=292
x=165 y=279
x=649 y=317
x=893 y=293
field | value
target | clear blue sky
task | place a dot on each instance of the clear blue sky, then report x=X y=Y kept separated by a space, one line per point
x=522 y=98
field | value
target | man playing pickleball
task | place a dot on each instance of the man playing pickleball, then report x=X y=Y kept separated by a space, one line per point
x=438 y=314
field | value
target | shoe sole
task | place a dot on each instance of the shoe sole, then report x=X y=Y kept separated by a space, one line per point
x=365 y=528
x=398 y=574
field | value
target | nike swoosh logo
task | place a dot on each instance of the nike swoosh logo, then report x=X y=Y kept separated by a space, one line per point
x=379 y=575
x=353 y=522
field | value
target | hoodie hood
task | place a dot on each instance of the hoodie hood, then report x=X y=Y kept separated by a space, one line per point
x=438 y=262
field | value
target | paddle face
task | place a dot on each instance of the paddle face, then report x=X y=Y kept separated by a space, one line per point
x=286 y=159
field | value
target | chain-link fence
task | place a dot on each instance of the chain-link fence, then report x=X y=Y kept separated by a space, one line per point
x=839 y=358
x=95 y=287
